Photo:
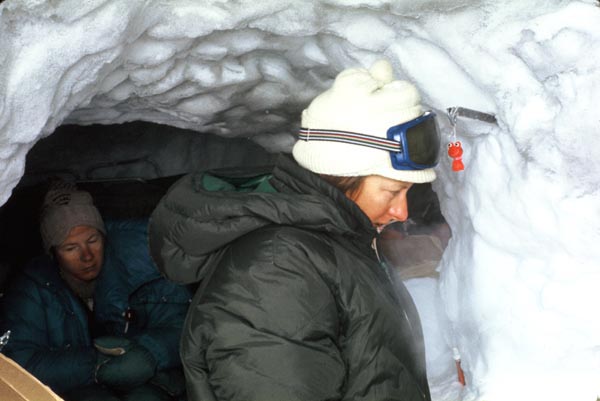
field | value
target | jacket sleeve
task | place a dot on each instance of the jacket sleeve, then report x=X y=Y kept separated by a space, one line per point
x=159 y=305
x=25 y=312
x=266 y=325
x=164 y=321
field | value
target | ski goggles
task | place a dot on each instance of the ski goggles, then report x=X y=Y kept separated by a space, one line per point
x=413 y=145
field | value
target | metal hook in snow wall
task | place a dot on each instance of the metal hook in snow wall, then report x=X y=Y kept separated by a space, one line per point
x=455 y=112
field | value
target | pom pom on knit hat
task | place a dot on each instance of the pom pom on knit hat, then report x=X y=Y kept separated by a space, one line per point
x=66 y=207
x=367 y=102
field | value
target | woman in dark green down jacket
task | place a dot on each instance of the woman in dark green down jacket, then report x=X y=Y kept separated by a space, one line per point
x=293 y=303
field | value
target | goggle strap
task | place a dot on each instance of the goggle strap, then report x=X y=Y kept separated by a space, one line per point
x=353 y=138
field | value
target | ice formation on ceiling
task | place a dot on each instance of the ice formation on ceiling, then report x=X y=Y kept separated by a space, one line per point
x=518 y=281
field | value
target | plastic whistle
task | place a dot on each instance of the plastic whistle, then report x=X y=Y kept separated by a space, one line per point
x=455 y=151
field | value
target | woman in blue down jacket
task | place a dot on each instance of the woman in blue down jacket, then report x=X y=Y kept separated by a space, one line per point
x=293 y=303
x=94 y=319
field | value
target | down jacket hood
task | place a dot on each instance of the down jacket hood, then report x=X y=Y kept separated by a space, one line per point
x=202 y=213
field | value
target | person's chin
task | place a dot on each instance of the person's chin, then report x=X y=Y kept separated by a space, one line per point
x=90 y=273
x=381 y=226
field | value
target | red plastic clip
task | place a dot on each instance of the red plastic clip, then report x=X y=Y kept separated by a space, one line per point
x=459 y=370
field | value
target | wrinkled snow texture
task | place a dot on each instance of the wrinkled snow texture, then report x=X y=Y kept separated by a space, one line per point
x=518 y=281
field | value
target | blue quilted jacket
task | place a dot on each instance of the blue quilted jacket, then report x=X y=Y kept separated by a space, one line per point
x=50 y=330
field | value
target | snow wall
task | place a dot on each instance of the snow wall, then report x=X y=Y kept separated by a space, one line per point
x=518 y=281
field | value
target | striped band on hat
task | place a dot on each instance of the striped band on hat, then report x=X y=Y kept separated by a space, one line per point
x=353 y=138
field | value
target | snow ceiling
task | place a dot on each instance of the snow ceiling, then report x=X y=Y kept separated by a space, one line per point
x=518 y=281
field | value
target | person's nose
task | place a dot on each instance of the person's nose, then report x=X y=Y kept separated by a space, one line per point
x=86 y=254
x=399 y=208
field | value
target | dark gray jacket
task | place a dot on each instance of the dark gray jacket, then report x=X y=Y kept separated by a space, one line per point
x=293 y=304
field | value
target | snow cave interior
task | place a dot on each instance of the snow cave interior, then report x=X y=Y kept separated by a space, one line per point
x=122 y=96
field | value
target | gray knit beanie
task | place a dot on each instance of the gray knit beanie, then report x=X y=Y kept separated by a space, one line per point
x=66 y=207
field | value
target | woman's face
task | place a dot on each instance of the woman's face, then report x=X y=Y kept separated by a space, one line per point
x=382 y=199
x=82 y=253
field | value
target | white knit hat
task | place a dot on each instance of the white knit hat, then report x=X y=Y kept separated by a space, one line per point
x=367 y=102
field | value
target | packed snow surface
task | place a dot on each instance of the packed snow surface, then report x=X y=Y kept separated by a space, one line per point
x=517 y=293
